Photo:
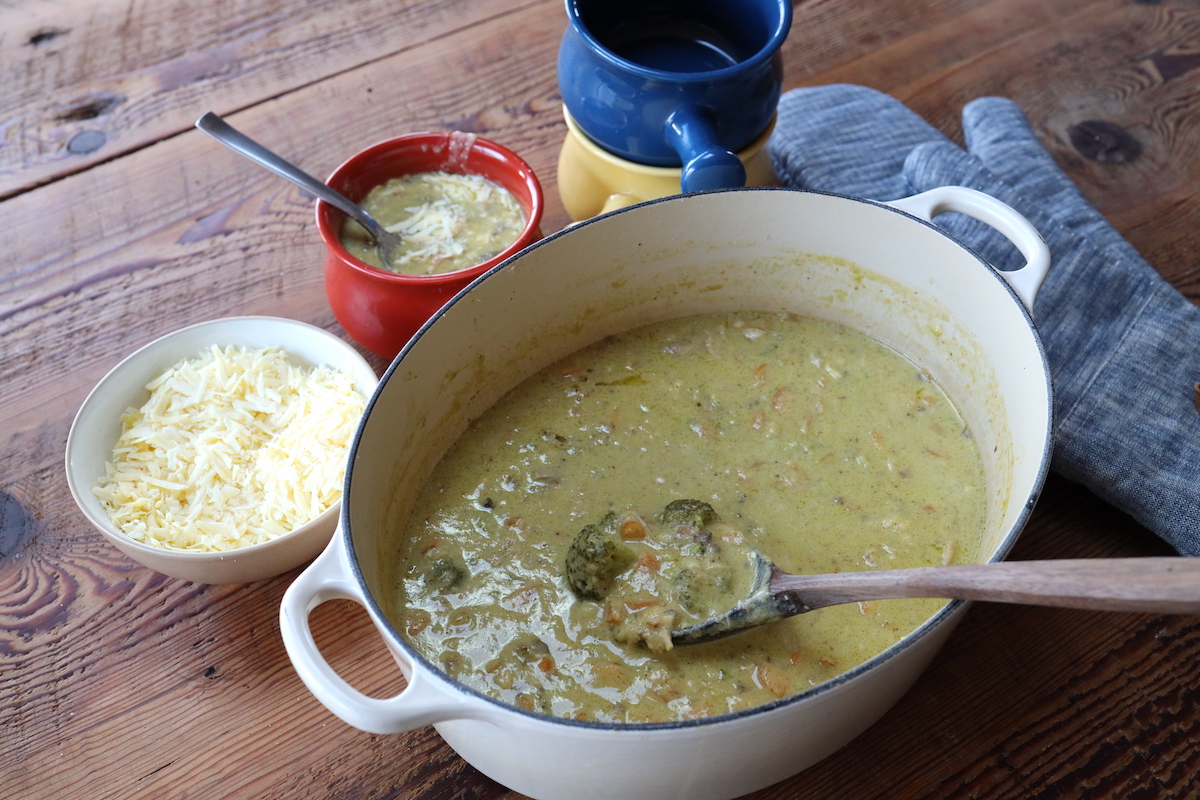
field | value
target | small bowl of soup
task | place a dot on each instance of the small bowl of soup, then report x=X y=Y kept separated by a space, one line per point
x=461 y=203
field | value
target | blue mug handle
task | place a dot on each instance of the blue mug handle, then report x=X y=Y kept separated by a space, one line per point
x=692 y=131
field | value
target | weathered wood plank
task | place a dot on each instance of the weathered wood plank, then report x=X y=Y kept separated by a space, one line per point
x=82 y=84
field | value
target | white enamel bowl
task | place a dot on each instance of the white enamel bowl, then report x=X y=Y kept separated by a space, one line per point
x=881 y=270
x=97 y=427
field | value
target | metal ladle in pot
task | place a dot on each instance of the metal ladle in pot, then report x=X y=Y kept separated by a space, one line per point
x=1168 y=585
x=387 y=242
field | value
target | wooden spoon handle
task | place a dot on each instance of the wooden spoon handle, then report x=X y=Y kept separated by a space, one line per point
x=1168 y=585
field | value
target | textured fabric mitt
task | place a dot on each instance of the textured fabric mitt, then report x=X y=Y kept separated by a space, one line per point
x=1123 y=344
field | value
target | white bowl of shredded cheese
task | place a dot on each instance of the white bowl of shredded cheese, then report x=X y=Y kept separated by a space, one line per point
x=217 y=453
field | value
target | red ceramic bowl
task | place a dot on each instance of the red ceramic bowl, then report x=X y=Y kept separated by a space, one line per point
x=382 y=310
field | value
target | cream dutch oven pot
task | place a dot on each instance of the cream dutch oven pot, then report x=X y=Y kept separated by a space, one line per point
x=881 y=268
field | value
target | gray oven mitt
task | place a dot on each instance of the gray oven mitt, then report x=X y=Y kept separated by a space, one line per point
x=1123 y=344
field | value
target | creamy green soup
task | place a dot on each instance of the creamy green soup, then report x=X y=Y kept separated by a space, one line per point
x=808 y=441
x=447 y=221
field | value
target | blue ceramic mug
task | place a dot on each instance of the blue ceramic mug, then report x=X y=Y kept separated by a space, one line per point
x=675 y=83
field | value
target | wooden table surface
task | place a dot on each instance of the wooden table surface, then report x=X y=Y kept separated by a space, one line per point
x=119 y=222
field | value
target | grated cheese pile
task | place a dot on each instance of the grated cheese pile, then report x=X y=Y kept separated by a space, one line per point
x=431 y=232
x=233 y=448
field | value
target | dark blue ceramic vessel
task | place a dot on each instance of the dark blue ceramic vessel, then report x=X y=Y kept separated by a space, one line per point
x=675 y=83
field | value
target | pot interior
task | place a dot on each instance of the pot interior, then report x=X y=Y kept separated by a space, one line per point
x=856 y=263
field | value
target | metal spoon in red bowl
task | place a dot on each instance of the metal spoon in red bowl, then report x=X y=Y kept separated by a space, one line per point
x=387 y=242
x=1167 y=585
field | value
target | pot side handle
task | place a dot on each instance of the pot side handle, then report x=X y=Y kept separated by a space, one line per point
x=1027 y=280
x=425 y=700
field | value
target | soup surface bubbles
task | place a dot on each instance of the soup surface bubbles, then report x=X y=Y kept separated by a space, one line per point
x=808 y=441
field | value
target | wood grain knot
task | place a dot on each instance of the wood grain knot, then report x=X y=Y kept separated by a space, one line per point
x=1104 y=141
x=90 y=109
x=41 y=37
x=16 y=528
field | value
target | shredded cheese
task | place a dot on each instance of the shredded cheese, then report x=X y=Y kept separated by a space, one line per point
x=449 y=221
x=431 y=232
x=233 y=448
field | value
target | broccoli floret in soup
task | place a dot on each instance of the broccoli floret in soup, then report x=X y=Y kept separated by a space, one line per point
x=595 y=558
x=696 y=512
